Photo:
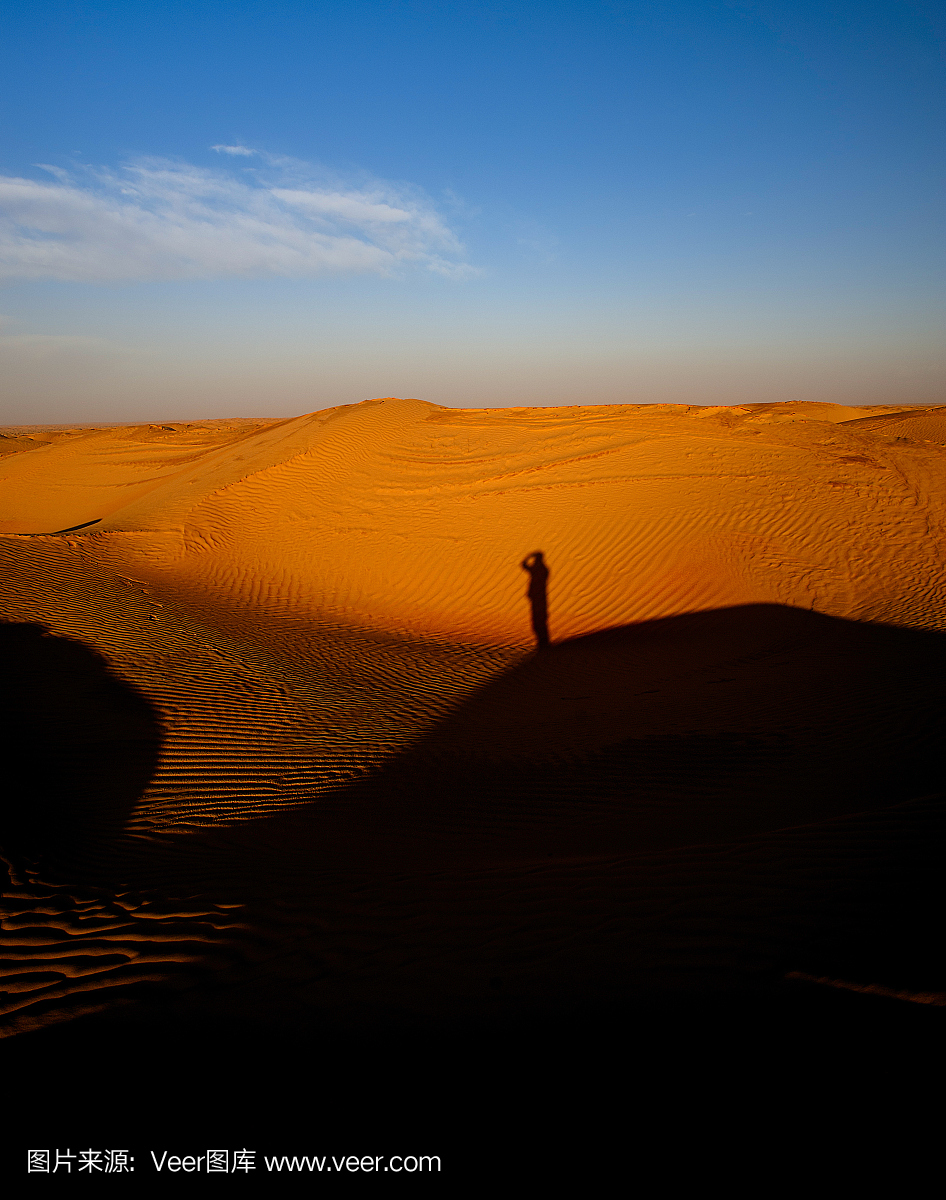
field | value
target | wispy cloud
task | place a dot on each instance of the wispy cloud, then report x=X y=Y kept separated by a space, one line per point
x=157 y=219
x=238 y=150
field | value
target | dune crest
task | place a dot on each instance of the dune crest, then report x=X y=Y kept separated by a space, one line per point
x=400 y=515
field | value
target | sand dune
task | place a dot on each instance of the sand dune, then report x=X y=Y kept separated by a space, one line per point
x=289 y=747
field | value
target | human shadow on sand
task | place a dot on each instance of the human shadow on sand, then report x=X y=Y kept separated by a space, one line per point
x=80 y=745
x=537 y=593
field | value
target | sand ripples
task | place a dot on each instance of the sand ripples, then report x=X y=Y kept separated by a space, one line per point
x=292 y=749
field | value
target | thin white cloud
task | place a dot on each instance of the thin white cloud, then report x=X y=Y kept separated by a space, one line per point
x=239 y=150
x=59 y=172
x=161 y=220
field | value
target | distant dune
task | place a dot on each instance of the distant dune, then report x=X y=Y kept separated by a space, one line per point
x=276 y=688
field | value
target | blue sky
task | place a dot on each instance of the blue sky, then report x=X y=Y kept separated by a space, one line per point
x=214 y=209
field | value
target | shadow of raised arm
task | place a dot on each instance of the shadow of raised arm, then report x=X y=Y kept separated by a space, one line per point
x=537 y=593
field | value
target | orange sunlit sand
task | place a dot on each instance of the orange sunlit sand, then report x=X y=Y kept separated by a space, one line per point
x=290 y=747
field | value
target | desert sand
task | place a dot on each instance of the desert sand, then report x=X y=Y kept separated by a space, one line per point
x=286 y=750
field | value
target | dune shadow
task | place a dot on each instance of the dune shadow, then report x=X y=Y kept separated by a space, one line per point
x=691 y=729
x=694 y=802
x=701 y=727
x=81 y=744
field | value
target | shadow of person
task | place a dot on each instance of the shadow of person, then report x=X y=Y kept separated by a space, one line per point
x=82 y=743
x=538 y=596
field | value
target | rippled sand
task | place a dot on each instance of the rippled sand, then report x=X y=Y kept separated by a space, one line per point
x=289 y=752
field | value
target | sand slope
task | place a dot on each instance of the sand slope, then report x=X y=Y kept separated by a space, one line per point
x=407 y=517
x=288 y=732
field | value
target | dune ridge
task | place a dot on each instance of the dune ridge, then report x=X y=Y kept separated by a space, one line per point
x=309 y=515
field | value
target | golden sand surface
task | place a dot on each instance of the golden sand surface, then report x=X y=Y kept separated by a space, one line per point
x=286 y=745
